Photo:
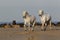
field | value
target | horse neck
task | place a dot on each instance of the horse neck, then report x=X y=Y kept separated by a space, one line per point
x=27 y=15
x=41 y=16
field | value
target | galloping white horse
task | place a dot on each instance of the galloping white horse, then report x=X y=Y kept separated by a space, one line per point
x=45 y=19
x=28 y=21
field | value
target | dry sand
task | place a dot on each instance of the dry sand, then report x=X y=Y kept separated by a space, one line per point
x=20 y=34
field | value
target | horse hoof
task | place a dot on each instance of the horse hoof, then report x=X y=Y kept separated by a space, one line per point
x=25 y=30
x=44 y=29
x=32 y=30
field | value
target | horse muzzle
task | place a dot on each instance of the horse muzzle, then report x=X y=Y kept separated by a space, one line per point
x=39 y=15
x=24 y=16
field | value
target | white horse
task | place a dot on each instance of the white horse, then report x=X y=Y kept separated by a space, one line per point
x=45 y=20
x=29 y=21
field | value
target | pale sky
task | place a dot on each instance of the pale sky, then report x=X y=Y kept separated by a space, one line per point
x=13 y=9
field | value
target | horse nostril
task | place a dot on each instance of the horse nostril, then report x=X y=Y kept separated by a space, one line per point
x=39 y=15
x=24 y=17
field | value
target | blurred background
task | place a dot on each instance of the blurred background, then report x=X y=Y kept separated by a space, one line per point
x=12 y=9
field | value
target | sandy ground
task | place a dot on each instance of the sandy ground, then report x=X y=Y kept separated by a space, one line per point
x=20 y=34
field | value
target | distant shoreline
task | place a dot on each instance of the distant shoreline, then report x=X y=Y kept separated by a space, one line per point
x=22 y=23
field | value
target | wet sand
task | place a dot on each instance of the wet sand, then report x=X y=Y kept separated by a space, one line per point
x=20 y=34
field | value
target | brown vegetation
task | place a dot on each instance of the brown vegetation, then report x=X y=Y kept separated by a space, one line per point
x=18 y=25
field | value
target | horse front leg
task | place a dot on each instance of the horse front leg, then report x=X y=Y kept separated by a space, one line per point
x=45 y=26
x=33 y=26
x=25 y=27
x=29 y=26
x=42 y=27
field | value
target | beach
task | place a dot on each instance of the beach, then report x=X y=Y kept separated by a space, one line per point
x=37 y=34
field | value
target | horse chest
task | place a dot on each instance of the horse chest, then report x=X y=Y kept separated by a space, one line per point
x=27 y=19
x=44 y=18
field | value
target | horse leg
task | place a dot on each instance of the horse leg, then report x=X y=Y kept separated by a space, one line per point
x=45 y=26
x=25 y=28
x=29 y=26
x=33 y=26
x=50 y=25
x=42 y=27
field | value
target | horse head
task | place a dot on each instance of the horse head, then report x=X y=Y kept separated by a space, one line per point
x=41 y=12
x=25 y=13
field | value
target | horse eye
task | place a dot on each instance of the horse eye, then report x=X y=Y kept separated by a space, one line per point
x=39 y=15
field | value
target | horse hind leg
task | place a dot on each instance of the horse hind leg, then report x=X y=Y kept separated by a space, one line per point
x=50 y=25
